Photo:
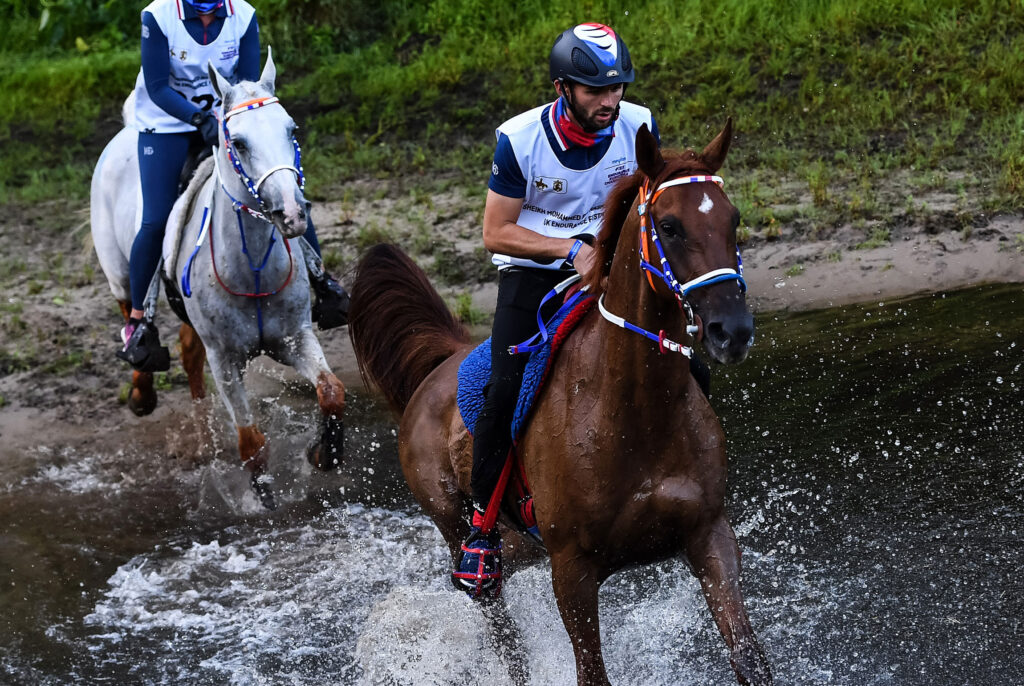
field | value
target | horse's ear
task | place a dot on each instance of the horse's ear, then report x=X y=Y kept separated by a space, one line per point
x=269 y=74
x=221 y=86
x=648 y=156
x=714 y=154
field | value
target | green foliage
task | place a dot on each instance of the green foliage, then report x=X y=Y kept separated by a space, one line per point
x=419 y=85
x=51 y=25
x=466 y=312
x=879 y=237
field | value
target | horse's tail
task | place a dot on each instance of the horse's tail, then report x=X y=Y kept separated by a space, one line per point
x=400 y=327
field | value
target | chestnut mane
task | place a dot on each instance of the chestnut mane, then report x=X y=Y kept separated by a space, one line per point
x=619 y=204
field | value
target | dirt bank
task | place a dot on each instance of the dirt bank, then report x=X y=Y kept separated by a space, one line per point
x=60 y=383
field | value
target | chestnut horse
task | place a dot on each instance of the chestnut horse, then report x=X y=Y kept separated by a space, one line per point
x=624 y=455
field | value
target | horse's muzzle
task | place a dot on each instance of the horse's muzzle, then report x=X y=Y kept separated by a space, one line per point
x=728 y=338
x=292 y=220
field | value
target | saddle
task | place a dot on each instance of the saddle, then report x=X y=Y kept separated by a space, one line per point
x=513 y=491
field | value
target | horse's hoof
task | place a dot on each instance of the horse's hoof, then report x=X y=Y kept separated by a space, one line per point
x=325 y=454
x=142 y=406
x=261 y=486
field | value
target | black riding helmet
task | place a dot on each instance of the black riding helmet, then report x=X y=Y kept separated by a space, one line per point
x=591 y=54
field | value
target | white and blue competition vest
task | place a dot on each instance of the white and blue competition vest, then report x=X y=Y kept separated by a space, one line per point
x=562 y=202
x=188 y=62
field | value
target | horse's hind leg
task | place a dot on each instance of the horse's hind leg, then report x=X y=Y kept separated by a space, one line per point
x=142 y=399
x=307 y=357
x=193 y=358
x=575 y=582
x=715 y=558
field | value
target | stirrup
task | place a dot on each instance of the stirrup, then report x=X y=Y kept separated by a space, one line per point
x=331 y=307
x=478 y=571
x=143 y=351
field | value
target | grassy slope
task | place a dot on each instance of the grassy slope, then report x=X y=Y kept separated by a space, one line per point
x=837 y=96
x=848 y=113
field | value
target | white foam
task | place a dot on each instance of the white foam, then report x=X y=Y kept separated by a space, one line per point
x=361 y=596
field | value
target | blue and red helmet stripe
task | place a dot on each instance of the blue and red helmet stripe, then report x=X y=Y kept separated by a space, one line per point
x=601 y=39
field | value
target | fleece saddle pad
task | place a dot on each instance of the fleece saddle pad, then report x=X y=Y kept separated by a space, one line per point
x=476 y=369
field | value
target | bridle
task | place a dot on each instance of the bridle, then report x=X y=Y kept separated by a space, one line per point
x=254 y=186
x=647 y=198
x=254 y=190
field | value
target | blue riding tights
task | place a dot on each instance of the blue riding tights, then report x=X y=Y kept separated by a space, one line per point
x=161 y=158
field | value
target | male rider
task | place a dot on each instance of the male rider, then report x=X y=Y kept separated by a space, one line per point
x=553 y=168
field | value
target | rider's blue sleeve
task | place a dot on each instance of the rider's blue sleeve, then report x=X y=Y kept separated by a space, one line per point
x=506 y=177
x=249 y=53
x=156 y=70
x=654 y=129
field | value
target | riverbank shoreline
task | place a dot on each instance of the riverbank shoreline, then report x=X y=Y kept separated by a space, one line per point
x=81 y=395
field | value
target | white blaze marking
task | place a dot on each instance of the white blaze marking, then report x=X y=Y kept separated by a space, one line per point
x=706 y=204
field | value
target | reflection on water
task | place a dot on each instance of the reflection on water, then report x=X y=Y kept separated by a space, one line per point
x=877 y=481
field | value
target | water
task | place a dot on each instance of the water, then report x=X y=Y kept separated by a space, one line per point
x=876 y=486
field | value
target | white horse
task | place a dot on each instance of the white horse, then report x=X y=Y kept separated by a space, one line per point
x=232 y=245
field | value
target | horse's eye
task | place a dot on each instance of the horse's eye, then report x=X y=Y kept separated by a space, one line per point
x=668 y=228
x=240 y=146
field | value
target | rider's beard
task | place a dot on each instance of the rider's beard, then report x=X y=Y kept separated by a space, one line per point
x=590 y=124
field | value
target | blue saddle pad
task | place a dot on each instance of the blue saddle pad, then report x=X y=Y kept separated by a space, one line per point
x=475 y=370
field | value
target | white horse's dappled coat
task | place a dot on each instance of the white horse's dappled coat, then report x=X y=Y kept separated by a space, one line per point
x=234 y=326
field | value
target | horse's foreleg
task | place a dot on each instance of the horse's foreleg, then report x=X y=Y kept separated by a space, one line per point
x=307 y=357
x=575 y=583
x=326 y=453
x=715 y=558
x=193 y=358
x=507 y=640
x=252 y=444
x=142 y=399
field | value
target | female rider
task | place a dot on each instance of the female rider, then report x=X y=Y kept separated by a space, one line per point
x=174 y=110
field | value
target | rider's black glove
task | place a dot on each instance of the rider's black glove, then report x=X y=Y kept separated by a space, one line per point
x=207 y=124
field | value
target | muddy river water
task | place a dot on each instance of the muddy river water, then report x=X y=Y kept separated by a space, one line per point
x=876 y=487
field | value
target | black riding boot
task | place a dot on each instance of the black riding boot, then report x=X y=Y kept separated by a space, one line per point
x=330 y=309
x=142 y=349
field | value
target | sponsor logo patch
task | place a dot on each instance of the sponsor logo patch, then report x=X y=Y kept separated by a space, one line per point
x=549 y=184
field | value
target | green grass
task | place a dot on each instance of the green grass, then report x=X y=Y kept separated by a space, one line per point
x=879 y=237
x=466 y=312
x=839 y=93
